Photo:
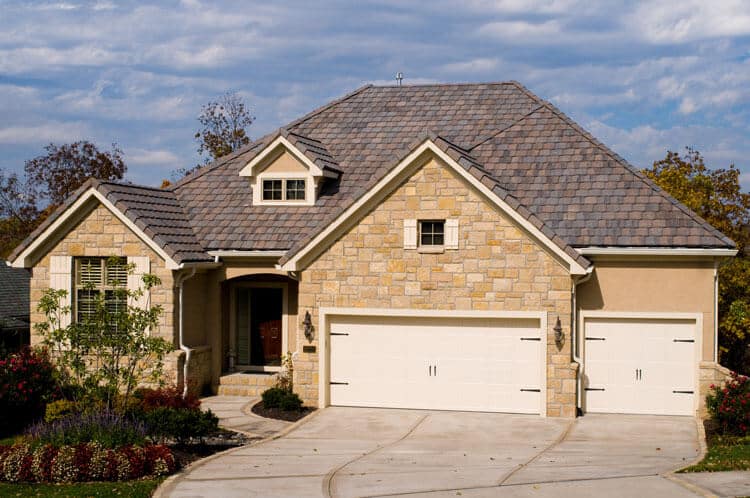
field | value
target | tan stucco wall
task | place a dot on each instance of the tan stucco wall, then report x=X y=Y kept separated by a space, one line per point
x=100 y=233
x=497 y=267
x=642 y=286
x=285 y=163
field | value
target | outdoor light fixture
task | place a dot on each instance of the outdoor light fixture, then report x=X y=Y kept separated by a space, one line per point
x=307 y=322
x=558 y=332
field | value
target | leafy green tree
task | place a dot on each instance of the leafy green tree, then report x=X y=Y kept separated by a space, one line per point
x=716 y=196
x=108 y=354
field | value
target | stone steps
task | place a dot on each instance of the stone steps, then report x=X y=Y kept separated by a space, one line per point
x=250 y=384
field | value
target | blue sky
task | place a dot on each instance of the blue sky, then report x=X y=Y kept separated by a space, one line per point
x=643 y=77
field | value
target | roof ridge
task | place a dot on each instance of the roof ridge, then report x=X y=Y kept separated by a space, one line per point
x=459 y=83
x=623 y=163
x=502 y=130
x=133 y=185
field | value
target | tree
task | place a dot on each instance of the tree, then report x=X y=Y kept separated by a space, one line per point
x=716 y=196
x=224 y=123
x=49 y=180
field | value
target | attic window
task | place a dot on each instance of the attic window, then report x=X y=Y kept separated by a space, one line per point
x=284 y=190
x=431 y=233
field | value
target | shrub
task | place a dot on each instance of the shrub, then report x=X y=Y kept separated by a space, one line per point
x=167 y=397
x=277 y=397
x=109 y=429
x=62 y=408
x=83 y=462
x=272 y=397
x=290 y=402
x=729 y=405
x=179 y=424
x=27 y=384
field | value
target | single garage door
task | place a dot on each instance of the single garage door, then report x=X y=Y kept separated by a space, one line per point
x=640 y=366
x=476 y=364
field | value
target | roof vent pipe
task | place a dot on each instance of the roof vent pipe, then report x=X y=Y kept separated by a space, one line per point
x=399 y=77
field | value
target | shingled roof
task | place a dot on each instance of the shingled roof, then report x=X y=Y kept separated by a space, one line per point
x=581 y=193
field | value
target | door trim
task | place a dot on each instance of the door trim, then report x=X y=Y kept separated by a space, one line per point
x=324 y=358
x=284 y=320
x=646 y=315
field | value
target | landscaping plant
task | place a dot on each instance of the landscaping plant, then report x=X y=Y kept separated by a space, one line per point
x=110 y=352
x=27 y=383
x=107 y=428
x=729 y=405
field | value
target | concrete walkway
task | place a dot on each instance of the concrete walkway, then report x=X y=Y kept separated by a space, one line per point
x=343 y=452
x=234 y=413
x=723 y=484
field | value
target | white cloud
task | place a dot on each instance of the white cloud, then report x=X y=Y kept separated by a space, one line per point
x=480 y=65
x=143 y=157
x=43 y=133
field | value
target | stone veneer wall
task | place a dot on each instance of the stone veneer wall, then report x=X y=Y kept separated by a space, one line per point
x=102 y=234
x=497 y=267
x=709 y=373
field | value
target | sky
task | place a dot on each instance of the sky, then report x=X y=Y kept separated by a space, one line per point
x=643 y=77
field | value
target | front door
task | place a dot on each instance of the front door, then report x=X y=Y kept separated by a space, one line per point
x=259 y=326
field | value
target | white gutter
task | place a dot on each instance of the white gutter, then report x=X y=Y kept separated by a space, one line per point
x=181 y=280
x=716 y=312
x=654 y=251
x=246 y=254
x=574 y=339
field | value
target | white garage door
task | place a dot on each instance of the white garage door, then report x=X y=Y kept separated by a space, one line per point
x=476 y=364
x=640 y=366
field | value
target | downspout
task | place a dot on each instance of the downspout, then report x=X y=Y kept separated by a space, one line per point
x=574 y=346
x=716 y=311
x=180 y=280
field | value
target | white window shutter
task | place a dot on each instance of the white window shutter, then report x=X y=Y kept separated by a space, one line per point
x=451 y=234
x=142 y=265
x=60 y=278
x=410 y=234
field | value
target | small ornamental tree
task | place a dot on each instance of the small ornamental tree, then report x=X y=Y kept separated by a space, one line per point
x=729 y=405
x=106 y=355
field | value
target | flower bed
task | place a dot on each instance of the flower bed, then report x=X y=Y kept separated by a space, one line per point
x=83 y=462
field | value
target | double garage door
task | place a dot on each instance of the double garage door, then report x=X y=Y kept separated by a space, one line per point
x=639 y=365
x=473 y=364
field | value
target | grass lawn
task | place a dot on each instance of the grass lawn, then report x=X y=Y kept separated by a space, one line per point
x=135 y=489
x=724 y=453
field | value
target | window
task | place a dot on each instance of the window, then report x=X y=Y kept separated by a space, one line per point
x=272 y=190
x=431 y=233
x=94 y=276
x=283 y=190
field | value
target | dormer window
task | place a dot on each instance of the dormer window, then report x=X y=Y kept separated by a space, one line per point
x=284 y=190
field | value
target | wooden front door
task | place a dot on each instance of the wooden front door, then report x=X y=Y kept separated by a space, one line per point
x=265 y=326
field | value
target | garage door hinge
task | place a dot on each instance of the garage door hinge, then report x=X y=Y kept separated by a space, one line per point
x=530 y=390
x=684 y=340
x=339 y=383
x=682 y=392
x=531 y=338
x=596 y=339
x=593 y=389
x=339 y=333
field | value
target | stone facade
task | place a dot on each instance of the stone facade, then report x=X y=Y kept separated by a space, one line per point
x=711 y=373
x=497 y=267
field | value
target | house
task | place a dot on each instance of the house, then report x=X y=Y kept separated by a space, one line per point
x=457 y=246
x=14 y=308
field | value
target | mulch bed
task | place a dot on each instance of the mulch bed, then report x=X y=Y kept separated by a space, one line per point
x=222 y=440
x=278 y=414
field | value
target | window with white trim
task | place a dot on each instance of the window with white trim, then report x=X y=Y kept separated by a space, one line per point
x=293 y=189
x=95 y=276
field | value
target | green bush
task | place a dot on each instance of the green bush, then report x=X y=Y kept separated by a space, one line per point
x=59 y=409
x=729 y=405
x=272 y=397
x=179 y=424
x=110 y=429
x=290 y=402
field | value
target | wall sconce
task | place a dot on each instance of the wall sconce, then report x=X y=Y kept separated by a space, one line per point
x=558 y=333
x=307 y=322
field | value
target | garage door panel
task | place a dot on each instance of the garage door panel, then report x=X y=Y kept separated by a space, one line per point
x=639 y=365
x=454 y=364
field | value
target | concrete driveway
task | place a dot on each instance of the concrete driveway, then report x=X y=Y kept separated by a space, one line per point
x=345 y=452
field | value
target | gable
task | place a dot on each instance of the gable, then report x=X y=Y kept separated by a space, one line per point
x=284 y=163
x=301 y=257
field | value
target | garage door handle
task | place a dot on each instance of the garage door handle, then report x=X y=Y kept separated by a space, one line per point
x=429 y=369
x=684 y=340
x=530 y=390
x=682 y=392
x=531 y=338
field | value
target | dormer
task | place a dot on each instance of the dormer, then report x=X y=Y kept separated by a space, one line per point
x=290 y=171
